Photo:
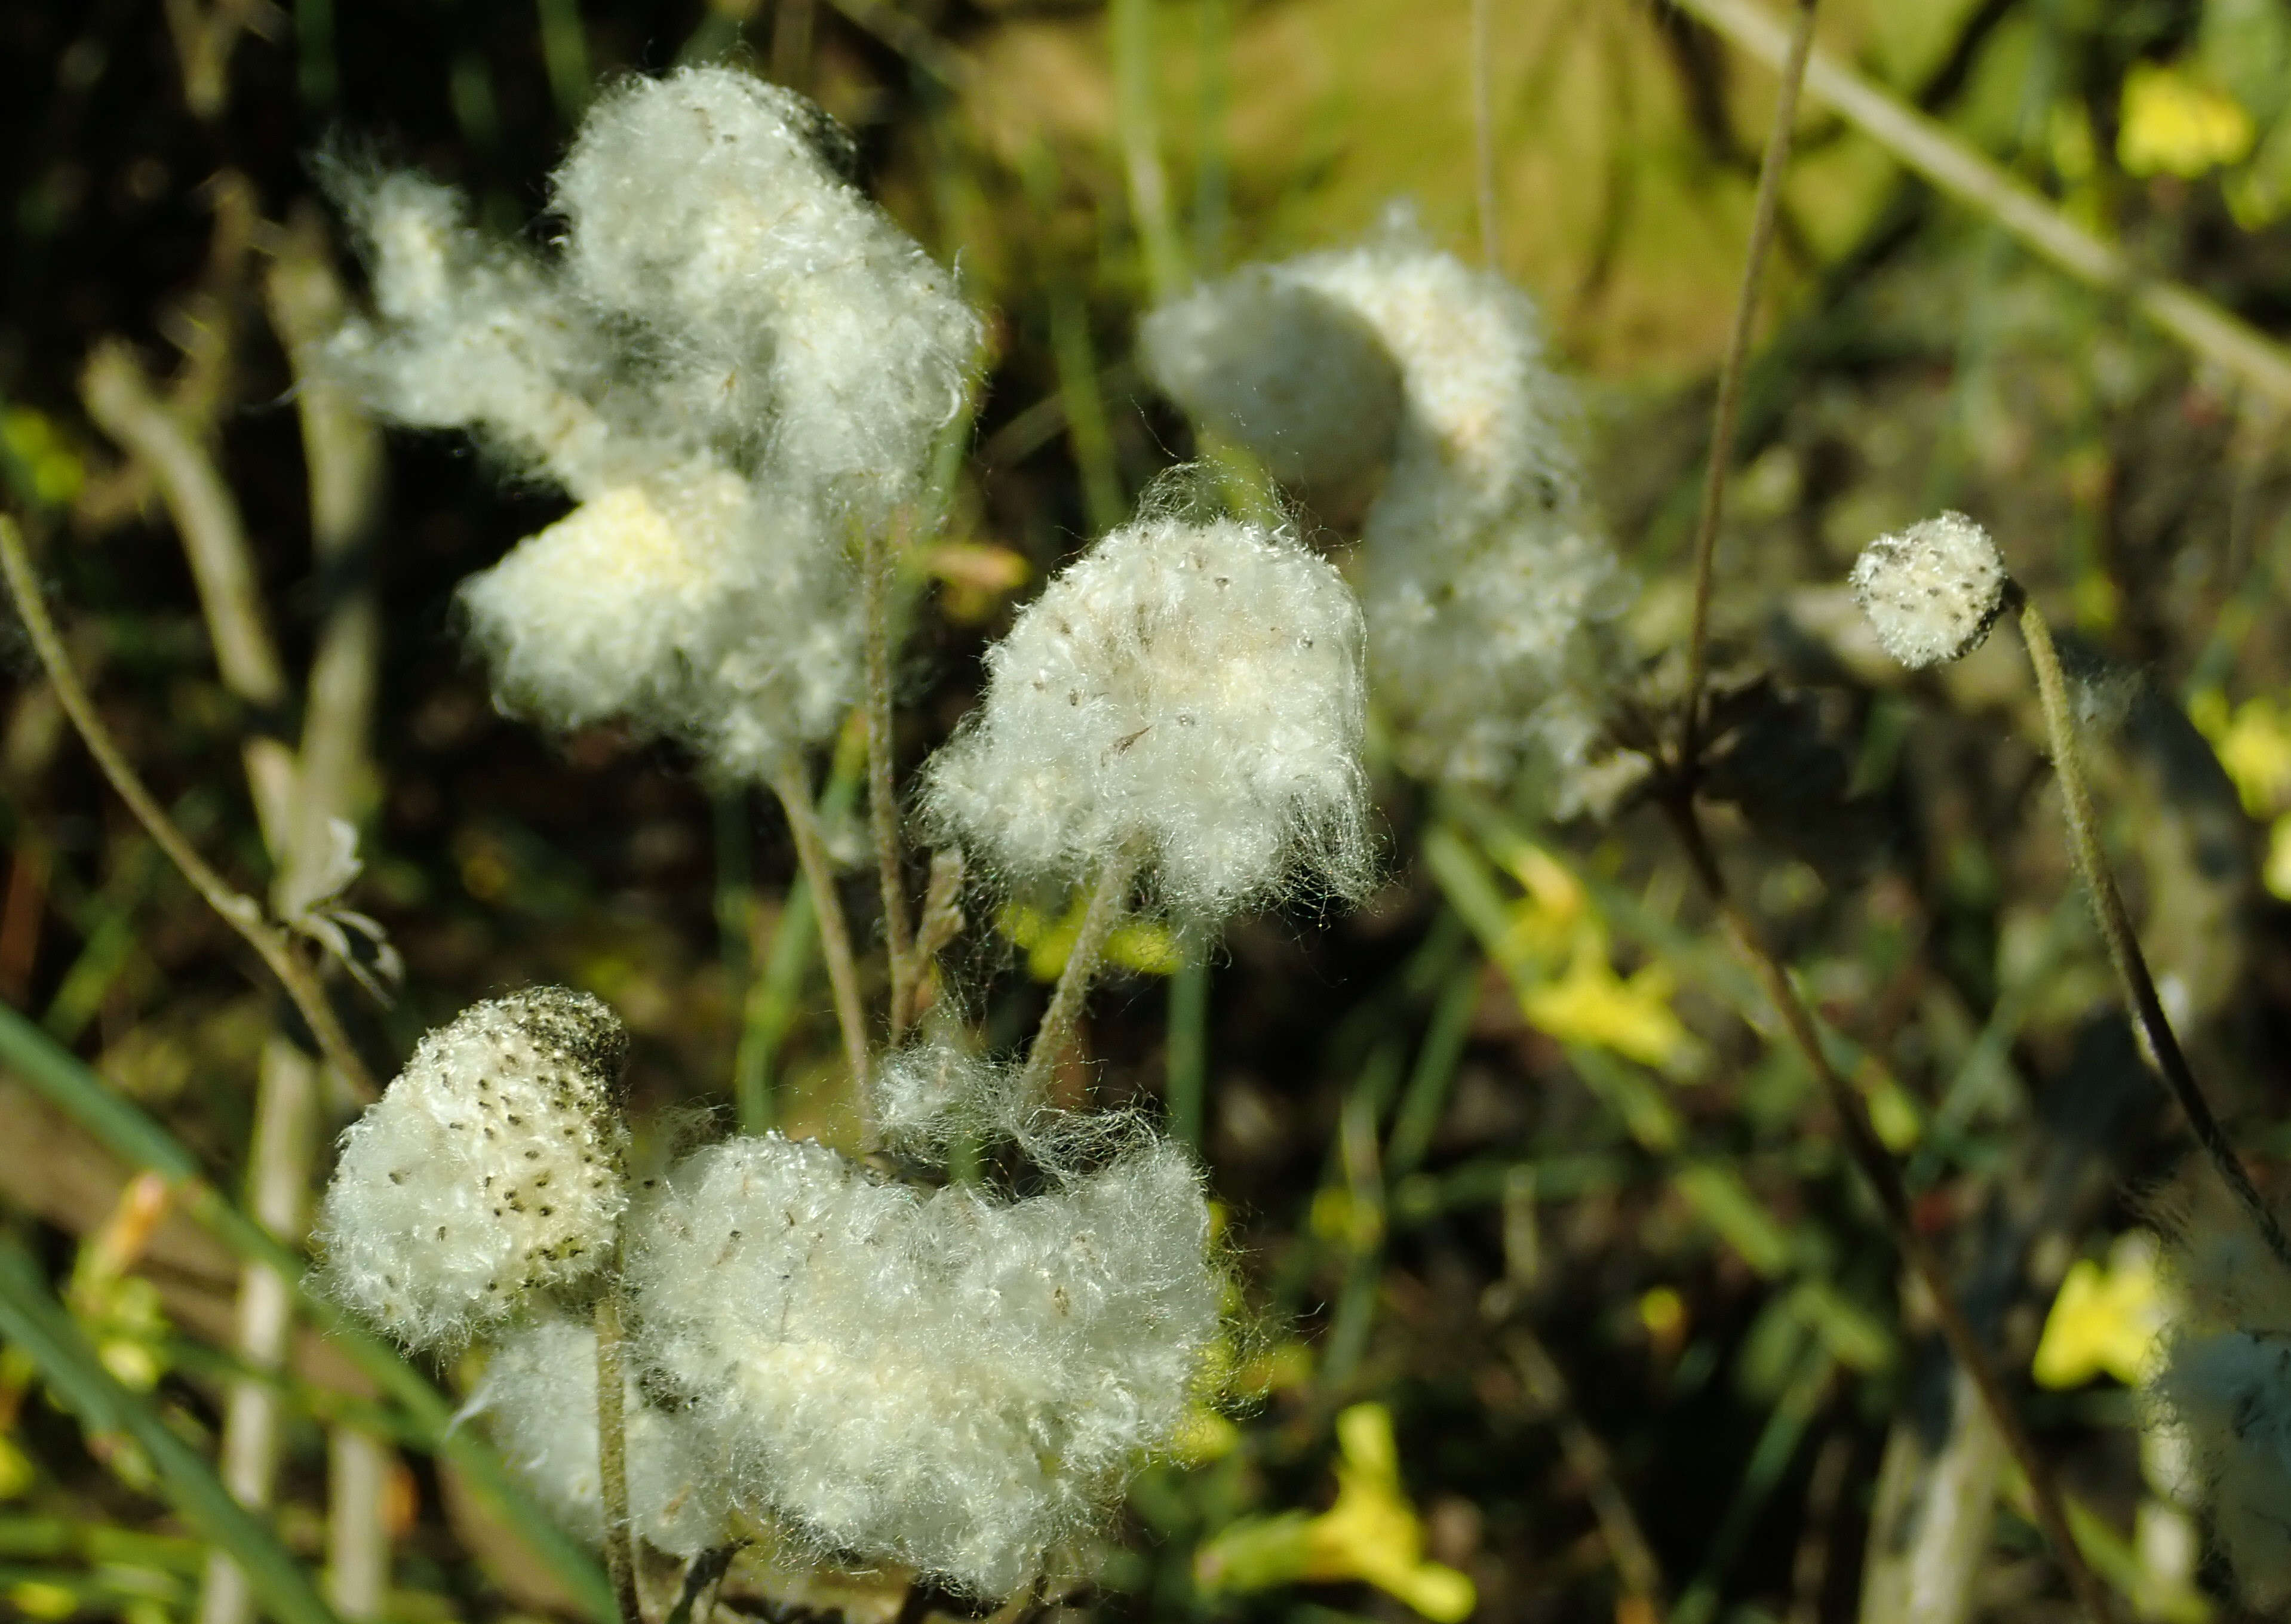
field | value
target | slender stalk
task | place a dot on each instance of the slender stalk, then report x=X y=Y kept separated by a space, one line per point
x=1771 y=167
x=613 y=1452
x=278 y=1162
x=357 y=1522
x=1184 y=1077
x=213 y=534
x=1109 y=899
x=882 y=809
x=1877 y=1167
x=790 y=783
x=240 y=911
x=1483 y=135
x=1138 y=128
x=2132 y=973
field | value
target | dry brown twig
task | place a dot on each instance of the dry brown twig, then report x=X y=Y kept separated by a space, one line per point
x=240 y=911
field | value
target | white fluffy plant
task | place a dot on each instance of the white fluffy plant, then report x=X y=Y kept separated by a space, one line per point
x=734 y=365
x=488 y=1175
x=1489 y=587
x=947 y=1378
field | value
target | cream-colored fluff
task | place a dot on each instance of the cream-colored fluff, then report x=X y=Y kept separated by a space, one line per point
x=489 y=1170
x=938 y=1378
x=539 y=1400
x=1189 y=691
x=1489 y=588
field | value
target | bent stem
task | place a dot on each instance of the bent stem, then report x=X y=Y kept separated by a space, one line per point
x=239 y=910
x=1108 y=901
x=612 y=1450
x=2132 y=972
x=1878 y=1167
x=789 y=781
x=1771 y=168
x=882 y=811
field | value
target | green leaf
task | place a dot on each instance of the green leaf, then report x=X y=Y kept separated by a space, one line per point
x=32 y=1319
x=60 y=1078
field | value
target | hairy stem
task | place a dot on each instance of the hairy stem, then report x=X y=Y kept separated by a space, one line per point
x=240 y=911
x=790 y=782
x=1877 y=1165
x=1771 y=167
x=1109 y=899
x=2132 y=972
x=882 y=808
x=613 y=1452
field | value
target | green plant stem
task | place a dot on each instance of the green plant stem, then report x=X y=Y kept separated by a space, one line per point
x=2139 y=985
x=1771 y=166
x=771 y=1008
x=612 y=1450
x=790 y=783
x=1134 y=62
x=1877 y=1167
x=240 y=911
x=883 y=806
x=33 y=1321
x=1109 y=899
x=1185 y=1075
x=122 y=1129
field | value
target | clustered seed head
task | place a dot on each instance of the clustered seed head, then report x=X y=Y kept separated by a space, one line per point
x=2223 y=1378
x=736 y=362
x=1490 y=590
x=1932 y=591
x=539 y=1399
x=940 y=1377
x=1189 y=692
x=488 y=1172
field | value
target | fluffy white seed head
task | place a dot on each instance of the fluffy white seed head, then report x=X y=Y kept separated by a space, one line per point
x=489 y=1171
x=2229 y=1393
x=1490 y=590
x=692 y=605
x=1188 y=691
x=1932 y=591
x=539 y=1399
x=735 y=360
x=1269 y=360
x=710 y=207
x=935 y=1377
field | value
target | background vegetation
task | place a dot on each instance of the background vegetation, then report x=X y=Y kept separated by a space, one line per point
x=1513 y=1154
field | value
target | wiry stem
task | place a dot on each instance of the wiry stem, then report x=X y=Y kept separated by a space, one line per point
x=2132 y=972
x=882 y=809
x=790 y=783
x=240 y=911
x=1877 y=1165
x=612 y=1452
x=1109 y=899
x=1771 y=167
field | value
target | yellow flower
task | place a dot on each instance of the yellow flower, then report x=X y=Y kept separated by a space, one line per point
x=1590 y=1004
x=1136 y=944
x=2105 y=1319
x=2173 y=125
x=1371 y=1533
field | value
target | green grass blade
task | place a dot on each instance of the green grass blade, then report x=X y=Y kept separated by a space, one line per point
x=63 y=1082
x=32 y=1319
